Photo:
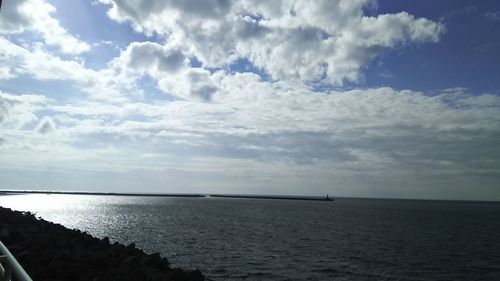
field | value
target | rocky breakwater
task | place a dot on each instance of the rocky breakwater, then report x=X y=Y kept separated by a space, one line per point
x=49 y=251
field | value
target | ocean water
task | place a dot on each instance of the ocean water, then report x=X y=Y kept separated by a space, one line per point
x=245 y=239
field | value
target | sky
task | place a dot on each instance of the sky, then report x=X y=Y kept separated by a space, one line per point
x=362 y=98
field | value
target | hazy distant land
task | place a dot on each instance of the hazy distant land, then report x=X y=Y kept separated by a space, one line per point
x=243 y=196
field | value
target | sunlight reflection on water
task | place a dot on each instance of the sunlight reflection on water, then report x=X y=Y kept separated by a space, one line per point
x=73 y=211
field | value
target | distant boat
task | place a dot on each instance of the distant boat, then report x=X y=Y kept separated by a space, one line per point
x=328 y=198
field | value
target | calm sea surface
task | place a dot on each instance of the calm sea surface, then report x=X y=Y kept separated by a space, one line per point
x=244 y=239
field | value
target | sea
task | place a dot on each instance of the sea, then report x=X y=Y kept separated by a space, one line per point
x=255 y=239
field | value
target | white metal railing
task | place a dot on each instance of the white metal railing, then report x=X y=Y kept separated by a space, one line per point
x=9 y=267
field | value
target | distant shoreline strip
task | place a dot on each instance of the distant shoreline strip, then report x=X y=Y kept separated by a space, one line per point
x=273 y=197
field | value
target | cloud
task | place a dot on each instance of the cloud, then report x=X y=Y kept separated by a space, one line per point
x=453 y=13
x=299 y=44
x=493 y=16
x=301 y=41
x=17 y=111
x=39 y=64
x=354 y=137
x=5 y=73
x=152 y=58
x=169 y=67
x=14 y=17
x=359 y=130
x=36 y=15
x=45 y=126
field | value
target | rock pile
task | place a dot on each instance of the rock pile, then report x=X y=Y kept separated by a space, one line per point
x=49 y=251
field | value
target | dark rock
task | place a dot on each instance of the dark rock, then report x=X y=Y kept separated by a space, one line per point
x=86 y=277
x=105 y=240
x=154 y=260
x=194 y=275
x=4 y=233
x=50 y=251
x=160 y=277
x=64 y=255
x=176 y=274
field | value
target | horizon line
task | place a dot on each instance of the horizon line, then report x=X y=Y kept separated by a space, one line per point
x=241 y=195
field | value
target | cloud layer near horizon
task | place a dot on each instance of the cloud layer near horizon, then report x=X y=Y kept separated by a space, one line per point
x=284 y=126
x=378 y=133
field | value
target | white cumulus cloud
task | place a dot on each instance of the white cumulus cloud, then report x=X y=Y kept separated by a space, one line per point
x=169 y=67
x=306 y=41
x=39 y=64
x=18 y=16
